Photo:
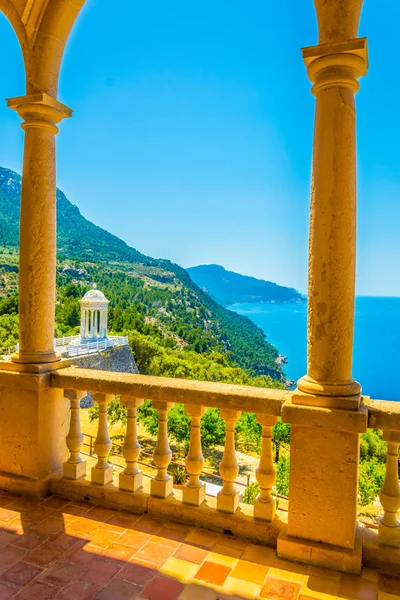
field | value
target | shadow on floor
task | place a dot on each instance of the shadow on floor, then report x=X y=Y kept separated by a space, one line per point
x=54 y=548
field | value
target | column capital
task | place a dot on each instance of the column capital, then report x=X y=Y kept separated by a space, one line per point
x=39 y=110
x=336 y=64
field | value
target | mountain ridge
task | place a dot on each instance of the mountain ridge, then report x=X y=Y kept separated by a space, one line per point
x=171 y=301
x=228 y=287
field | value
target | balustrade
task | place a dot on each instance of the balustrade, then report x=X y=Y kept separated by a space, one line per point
x=196 y=398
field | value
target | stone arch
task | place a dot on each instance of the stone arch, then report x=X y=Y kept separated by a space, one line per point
x=52 y=34
x=9 y=10
x=42 y=28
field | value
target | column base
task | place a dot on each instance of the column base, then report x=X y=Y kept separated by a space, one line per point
x=324 y=456
x=389 y=536
x=194 y=495
x=36 y=357
x=38 y=368
x=319 y=554
x=378 y=556
x=228 y=502
x=344 y=395
x=24 y=486
x=74 y=470
x=130 y=483
x=265 y=511
x=35 y=420
x=102 y=476
x=161 y=489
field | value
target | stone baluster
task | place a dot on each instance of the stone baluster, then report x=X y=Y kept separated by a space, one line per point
x=228 y=497
x=130 y=479
x=102 y=473
x=389 y=526
x=194 y=491
x=162 y=485
x=265 y=504
x=74 y=467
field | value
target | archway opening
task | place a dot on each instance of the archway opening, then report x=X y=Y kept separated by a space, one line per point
x=12 y=83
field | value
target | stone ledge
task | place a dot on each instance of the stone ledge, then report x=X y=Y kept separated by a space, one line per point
x=105 y=495
x=315 y=416
x=241 y=523
x=321 y=555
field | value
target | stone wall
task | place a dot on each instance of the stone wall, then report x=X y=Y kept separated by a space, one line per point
x=116 y=360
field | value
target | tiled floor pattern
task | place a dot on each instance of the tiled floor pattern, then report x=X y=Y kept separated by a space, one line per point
x=59 y=549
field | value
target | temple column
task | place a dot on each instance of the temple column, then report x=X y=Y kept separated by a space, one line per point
x=103 y=323
x=83 y=323
x=325 y=411
x=37 y=252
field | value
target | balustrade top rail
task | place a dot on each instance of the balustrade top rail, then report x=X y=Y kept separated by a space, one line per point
x=183 y=391
x=383 y=414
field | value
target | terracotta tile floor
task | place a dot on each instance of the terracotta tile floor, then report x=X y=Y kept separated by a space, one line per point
x=54 y=548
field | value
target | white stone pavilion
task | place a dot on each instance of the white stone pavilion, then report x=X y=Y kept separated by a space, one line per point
x=93 y=335
x=94 y=312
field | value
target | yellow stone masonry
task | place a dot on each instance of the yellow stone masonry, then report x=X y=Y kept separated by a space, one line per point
x=41 y=440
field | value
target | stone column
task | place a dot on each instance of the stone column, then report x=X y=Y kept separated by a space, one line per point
x=325 y=410
x=334 y=70
x=37 y=258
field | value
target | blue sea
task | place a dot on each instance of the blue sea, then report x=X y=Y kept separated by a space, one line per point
x=376 y=340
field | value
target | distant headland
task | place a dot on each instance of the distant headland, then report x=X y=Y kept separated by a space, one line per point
x=227 y=287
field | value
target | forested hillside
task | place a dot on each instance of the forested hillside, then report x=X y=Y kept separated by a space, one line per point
x=154 y=300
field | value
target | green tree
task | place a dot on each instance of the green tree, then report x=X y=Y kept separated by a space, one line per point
x=280 y=435
x=282 y=475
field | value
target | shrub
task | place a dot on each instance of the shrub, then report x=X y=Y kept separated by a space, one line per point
x=370 y=480
x=251 y=493
x=179 y=474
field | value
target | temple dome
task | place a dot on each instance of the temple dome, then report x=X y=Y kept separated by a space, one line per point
x=94 y=297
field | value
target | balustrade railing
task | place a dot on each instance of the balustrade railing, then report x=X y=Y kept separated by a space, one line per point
x=385 y=415
x=197 y=397
x=81 y=348
x=163 y=392
x=65 y=340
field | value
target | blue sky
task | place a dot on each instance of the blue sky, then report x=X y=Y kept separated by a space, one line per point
x=192 y=133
